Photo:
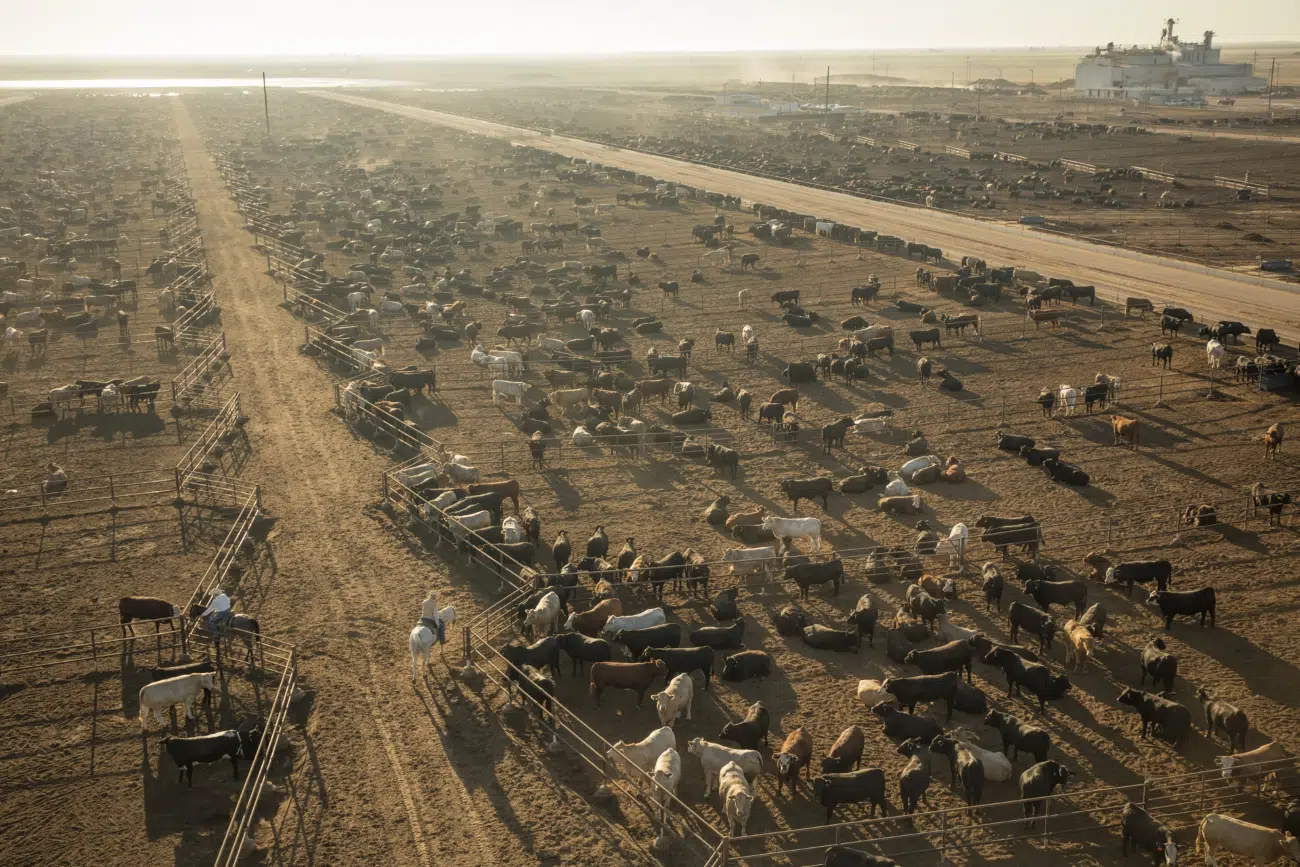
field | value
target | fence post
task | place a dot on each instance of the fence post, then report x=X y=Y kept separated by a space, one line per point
x=1047 y=812
x=503 y=456
x=943 y=836
x=468 y=668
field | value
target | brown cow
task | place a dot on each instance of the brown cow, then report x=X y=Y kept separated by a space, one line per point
x=611 y=398
x=1273 y=440
x=745 y=519
x=787 y=396
x=626 y=675
x=509 y=488
x=796 y=754
x=660 y=388
x=1038 y=316
x=591 y=621
x=1124 y=429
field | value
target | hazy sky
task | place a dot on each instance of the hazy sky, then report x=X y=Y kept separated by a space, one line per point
x=455 y=27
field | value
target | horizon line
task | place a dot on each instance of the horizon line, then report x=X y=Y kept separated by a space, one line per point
x=570 y=55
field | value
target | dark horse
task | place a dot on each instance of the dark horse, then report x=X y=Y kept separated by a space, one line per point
x=246 y=626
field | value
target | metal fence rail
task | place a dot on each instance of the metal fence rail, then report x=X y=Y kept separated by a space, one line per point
x=191 y=388
x=219 y=433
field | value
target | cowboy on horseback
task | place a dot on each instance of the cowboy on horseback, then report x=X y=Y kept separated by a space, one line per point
x=429 y=617
x=218 y=612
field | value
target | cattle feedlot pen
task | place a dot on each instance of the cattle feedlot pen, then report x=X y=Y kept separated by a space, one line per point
x=942 y=830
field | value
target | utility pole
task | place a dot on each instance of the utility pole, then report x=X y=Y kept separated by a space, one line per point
x=828 y=96
x=1271 y=69
x=266 y=107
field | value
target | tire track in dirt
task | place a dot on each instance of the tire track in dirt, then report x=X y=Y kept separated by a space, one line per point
x=346 y=591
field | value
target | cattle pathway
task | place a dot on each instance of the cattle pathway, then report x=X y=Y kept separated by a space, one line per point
x=406 y=776
x=1209 y=292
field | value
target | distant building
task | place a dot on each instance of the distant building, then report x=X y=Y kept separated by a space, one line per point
x=750 y=106
x=1172 y=72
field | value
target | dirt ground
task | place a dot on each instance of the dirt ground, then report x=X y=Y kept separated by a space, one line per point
x=1115 y=210
x=444 y=770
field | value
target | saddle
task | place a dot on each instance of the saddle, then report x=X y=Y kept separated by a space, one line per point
x=432 y=623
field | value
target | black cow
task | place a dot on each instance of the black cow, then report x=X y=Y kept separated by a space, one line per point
x=799 y=372
x=682 y=660
x=543 y=653
x=582 y=649
x=745 y=665
x=901 y=725
x=1160 y=666
x=1187 y=603
x=187 y=752
x=751 y=732
x=854 y=787
x=790 y=621
x=806 y=575
x=720 y=637
x=825 y=638
x=1049 y=593
x=922 y=336
x=1032 y=621
x=1230 y=719
x=1014 y=442
x=953 y=656
x=808 y=489
x=1069 y=474
x=928 y=688
x=1035 y=677
x=637 y=640
x=1141 y=572
x=1040 y=781
x=1162 y=717
x=865 y=616
x=993 y=586
x=1018 y=737
x=1146 y=836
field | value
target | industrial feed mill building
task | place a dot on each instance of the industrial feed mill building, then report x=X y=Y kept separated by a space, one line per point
x=1173 y=71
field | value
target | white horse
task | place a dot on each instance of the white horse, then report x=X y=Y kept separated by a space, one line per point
x=422 y=639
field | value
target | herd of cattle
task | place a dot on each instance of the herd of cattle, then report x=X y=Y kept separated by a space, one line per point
x=577 y=609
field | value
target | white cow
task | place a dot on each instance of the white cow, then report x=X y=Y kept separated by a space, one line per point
x=737 y=797
x=1248 y=765
x=644 y=753
x=642 y=620
x=582 y=437
x=108 y=398
x=505 y=388
x=714 y=757
x=462 y=474
x=568 y=397
x=896 y=487
x=742 y=298
x=747 y=334
x=422 y=638
x=162 y=694
x=61 y=398
x=795 y=528
x=512 y=529
x=675 y=698
x=667 y=774
x=587 y=318
x=416 y=476
x=391 y=308
x=747 y=561
x=1214 y=353
x=872 y=692
x=29 y=317
x=462 y=525
x=950 y=631
x=871 y=425
x=166 y=301
x=355 y=300
x=552 y=344
x=544 y=618
x=370 y=344
x=1067 y=399
x=955 y=545
x=1264 y=845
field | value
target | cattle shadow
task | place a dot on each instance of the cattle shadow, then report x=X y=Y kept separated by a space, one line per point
x=967 y=491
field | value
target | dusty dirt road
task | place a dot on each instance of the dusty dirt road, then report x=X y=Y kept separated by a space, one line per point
x=1210 y=293
x=386 y=772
